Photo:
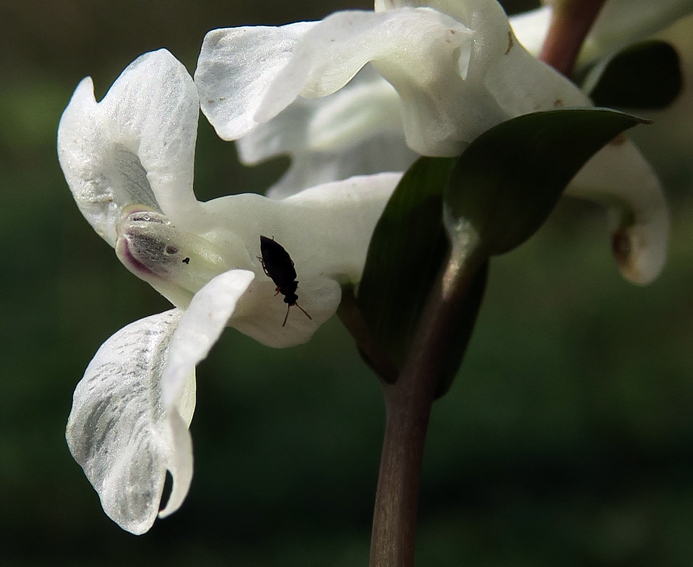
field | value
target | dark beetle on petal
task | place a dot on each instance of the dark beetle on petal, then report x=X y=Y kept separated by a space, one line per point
x=279 y=266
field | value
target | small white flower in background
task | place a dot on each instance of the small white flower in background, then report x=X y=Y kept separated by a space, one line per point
x=447 y=71
x=669 y=140
x=619 y=24
x=129 y=163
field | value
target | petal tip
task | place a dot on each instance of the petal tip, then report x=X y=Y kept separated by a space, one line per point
x=639 y=258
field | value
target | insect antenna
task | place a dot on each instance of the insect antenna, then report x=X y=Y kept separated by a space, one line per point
x=304 y=311
x=289 y=308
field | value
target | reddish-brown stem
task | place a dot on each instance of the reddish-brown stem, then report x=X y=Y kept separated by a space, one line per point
x=394 y=517
x=571 y=21
x=408 y=403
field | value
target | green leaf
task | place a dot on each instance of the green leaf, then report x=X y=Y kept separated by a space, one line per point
x=406 y=253
x=646 y=75
x=510 y=178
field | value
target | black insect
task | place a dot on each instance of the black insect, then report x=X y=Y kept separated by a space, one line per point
x=279 y=266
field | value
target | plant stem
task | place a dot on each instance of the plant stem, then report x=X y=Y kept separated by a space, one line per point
x=571 y=21
x=408 y=407
x=394 y=517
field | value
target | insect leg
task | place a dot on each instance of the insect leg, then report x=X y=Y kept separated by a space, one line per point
x=262 y=263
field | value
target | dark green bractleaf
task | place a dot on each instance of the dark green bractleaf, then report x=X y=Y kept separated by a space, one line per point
x=509 y=179
x=405 y=255
x=643 y=76
x=498 y=193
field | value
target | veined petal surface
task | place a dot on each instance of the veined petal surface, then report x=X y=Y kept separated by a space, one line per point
x=247 y=59
x=118 y=429
x=455 y=76
x=417 y=45
x=136 y=146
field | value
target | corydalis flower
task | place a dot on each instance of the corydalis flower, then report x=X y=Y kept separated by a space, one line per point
x=446 y=71
x=129 y=163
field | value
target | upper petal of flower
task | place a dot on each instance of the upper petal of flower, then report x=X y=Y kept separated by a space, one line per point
x=455 y=79
x=251 y=56
x=136 y=146
x=118 y=429
x=330 y=53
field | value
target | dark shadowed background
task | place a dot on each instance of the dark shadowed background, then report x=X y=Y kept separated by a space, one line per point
x=567 y=439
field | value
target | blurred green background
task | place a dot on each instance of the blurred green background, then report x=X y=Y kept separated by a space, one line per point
x=566 y=440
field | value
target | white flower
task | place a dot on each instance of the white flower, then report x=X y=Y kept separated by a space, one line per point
x=129 y=163
x=456 y=68
x=451 y=69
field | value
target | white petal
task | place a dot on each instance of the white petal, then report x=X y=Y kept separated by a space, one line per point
x=117 y=430
x=330 y=53
x=620 y=178
x=455 y=77
x=531 y=28
x=261 y=312
x=198 y=330
x=326 y=229
x=368 y=105
x=385 y=152
x=465 y=11
x=182 y=461
x=236 y=68
x=134 y=147
x=200 y=327
x=416 y=50
x=355 y=131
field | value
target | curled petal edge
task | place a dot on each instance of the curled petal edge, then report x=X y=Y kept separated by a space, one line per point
x=135 y=146
x=621 y=179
